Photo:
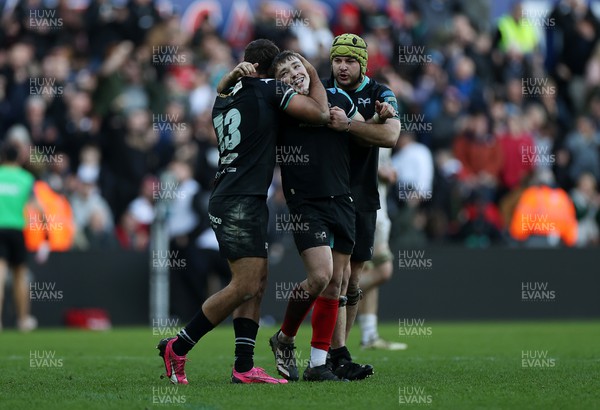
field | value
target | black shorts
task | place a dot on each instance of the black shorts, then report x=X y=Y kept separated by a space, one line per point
x=12 y=246
x=240 y=224
x=324 y=222
x=365 y=236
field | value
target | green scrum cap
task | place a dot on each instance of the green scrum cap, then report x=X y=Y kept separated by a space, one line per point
x=350 y=45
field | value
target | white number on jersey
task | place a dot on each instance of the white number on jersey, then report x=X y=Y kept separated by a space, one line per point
x=228 y=134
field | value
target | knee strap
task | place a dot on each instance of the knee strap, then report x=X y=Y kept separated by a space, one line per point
x=382 y=258
x=353 y=298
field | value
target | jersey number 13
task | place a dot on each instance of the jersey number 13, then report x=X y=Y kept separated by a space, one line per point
x=228 y=133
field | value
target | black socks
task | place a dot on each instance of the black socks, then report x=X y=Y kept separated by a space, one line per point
x=338 y=354
x=245 y=339
x=188 y=336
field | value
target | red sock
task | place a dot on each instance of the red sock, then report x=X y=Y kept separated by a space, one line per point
x=298 y=307
x=323 y=322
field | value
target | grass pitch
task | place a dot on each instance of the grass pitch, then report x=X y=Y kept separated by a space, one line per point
x=503 y=365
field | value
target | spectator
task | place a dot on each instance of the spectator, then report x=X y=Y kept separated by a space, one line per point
x=466 y=82
x=583 y=145
x=98 y=233
x=141 y=16
x=516 y=37
x=515 y=43
x=445 y=125
x=80 y=127
x=130 y=234
x=536 y=121
x=517 y=152
x=141 y=209
x=50 y=222
x=481 y=222
x=18 y=71
x=268 y=23
x=430 y=85
x=413 y=165
x=348 y=19
x=446 y=200
x=42 y=131
x=544 y=215
x=594 y=107
x=203 y=95
x=379 y=46
x=480 y=154
x=89 y=207
x=586 y=199
x=18 y=136
x=575 y=37
x=312 y=32
x=128 y=157
x=57 y=174
x=89 y=164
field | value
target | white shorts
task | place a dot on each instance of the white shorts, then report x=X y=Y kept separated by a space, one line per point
x=382 y=232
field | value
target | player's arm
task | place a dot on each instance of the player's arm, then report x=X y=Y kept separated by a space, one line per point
x=387 y=174
x=383 y=111
x=313 y=107
x=340 y=116
x=339 y=120
x=381 y=135
x=41 y=256
x=241 y=70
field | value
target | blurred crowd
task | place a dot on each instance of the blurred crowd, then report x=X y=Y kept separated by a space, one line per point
x=107 y=97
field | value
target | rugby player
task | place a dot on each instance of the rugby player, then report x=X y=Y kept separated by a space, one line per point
x=348 y=55
x=379 y=269
x=318 y=195
x=245 y=120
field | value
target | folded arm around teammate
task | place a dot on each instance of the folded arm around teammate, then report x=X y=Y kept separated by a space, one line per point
x=310 y=105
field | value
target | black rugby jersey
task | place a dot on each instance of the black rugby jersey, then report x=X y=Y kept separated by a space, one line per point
x=315 y=160
x=246 y=122
x=364 y=160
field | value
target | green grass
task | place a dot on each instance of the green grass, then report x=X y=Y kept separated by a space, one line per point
x=460 y=366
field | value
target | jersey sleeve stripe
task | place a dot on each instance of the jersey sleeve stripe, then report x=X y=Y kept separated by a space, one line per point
x=285 y=101
x=353 y=111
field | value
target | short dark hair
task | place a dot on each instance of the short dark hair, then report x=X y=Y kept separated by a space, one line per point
x=10 y=152
x=281 y=58
x=261 y=51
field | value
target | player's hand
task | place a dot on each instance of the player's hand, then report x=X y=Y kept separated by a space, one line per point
x=338 y=120
x=387 y=174
x=384 y=110
x=41 y=256
x=243 y=69
x=304 y=61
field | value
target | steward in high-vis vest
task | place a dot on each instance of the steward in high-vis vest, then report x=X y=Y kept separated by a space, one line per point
x=516 y=32
x=56 y=225
x=545 y=212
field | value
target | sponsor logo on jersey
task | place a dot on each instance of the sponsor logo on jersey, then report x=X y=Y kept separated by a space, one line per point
x=321 y=235
x=364 y=101
x=215 y=220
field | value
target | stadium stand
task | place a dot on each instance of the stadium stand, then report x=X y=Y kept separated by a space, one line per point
x=132 y=82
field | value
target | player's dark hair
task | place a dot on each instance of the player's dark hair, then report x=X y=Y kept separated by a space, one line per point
x=284 y=56
x=261 y=51
x=10 y=152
